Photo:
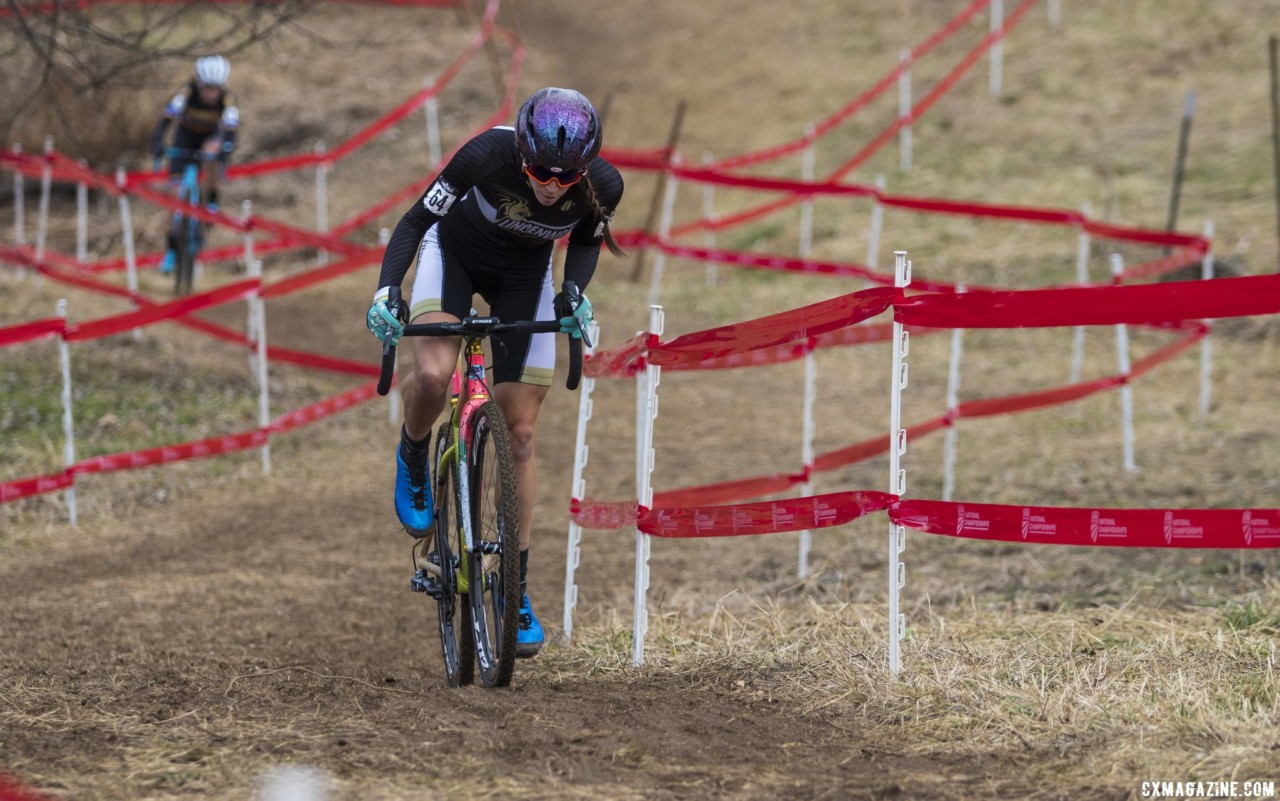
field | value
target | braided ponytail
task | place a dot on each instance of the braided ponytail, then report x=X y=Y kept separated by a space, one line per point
x=590 y=192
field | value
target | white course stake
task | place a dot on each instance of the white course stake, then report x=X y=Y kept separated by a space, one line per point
x=322 y=201
x=68 y=427
x=1126 y=389
x=810 y=366
x=19 y=203
x=997 y=49
x=646 y=415
x=664 y=228
x=897 y=475
x=250 y=265
x=82 y=219
x=904 y=110
x=46 y=186
x=259 y=337
x=581 y=454
x=806 y=207
x=1206 y=348
x=953 y=402
x=130 y=254
x=877 y=222
x=1082 y=278
x=806 y=452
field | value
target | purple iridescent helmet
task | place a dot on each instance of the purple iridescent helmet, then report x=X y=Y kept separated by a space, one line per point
x=558 y=129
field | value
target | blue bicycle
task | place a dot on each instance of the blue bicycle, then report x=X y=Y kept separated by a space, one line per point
x=187 y=232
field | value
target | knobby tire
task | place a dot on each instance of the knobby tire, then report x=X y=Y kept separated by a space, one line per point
x=453 y=610
x=495 y=577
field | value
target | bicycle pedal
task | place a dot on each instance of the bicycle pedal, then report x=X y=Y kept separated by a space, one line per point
x=423 y=582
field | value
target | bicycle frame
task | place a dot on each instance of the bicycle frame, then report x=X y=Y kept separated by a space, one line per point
x=186 y=228
x=469 y=391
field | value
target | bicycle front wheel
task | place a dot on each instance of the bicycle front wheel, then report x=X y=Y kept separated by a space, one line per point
x=453 y=609
x=494 y=561
x=188 y=244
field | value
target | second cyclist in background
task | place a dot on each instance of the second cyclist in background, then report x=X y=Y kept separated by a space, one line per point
x=207 y=120
x=487 y=225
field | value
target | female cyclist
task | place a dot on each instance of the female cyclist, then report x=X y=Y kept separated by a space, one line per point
x=487 y=225
x=207 y=122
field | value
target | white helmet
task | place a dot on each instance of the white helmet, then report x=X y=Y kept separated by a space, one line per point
x=212 y=71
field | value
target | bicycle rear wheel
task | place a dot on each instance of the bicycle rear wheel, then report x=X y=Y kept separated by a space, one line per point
x=188 y=247
x=495 y=558
x=453 y=609
x=188 y=234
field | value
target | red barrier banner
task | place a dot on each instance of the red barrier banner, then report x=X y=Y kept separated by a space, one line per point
x=880 y=140
x=319 y=275
x=889 y=80
x=859 y=335
x=870 y=448
x=208 y=256
x=94 y=329
x=38 y=485
x=1135 y=528
x=1147 y=303
x=1166 y=353
x=658 y=158
x=620 y=361
x=769 y=517
x=10 y=790
x=727 y=491
x=319 y=361
x=733 y=345
x=325 y=408
x=212 y=446
x=776 y=329
x=777 y=354
x=602 y=515
x=1179 y=259
x=988 y=407
x=1146 y=236
x=37 y=329
x=766 y=261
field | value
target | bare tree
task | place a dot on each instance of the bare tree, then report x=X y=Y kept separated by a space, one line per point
x=69 y=64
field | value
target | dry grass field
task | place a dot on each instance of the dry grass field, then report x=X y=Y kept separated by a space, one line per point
x=204 y=624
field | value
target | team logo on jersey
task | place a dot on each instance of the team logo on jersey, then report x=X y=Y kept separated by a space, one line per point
x=440 y=197
x=512 y=207
x=565 y=206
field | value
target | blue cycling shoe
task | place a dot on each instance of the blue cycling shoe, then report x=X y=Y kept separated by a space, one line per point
x=413 y=498
x=528 y=631
x=166 y=264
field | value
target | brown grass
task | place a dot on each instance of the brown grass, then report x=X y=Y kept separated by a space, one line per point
x=205 y=623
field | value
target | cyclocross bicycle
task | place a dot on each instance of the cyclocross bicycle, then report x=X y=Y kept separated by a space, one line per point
x=188 y=230
x=470 y=564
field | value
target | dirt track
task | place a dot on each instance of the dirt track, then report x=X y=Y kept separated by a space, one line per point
x=205 y=624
